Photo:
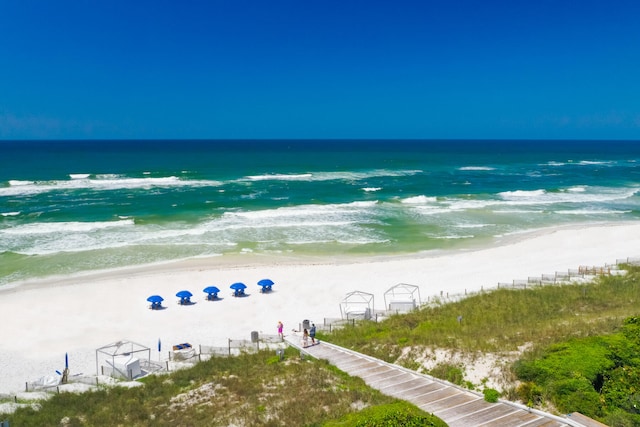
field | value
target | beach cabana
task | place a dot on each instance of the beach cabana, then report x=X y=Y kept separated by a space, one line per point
x=265 y=285
x=357 y=305
x=402 y=298
x=121 y=359
x=238 y=289
x=156 y=302
x=185 y=297
x=212 y=292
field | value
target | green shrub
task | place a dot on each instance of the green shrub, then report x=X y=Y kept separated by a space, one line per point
x=398 y=414
x=491 y=395
x=529 y=393
x=449 y=372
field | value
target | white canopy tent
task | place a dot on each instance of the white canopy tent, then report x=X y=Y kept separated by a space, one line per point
x=402 y=298
x=357 y=305
x=122 y=359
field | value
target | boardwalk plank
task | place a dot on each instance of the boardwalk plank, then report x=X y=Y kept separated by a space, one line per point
x=410 y=395
x=480 y=418
x=401 y=380
x=434 y=396
x=453 y=402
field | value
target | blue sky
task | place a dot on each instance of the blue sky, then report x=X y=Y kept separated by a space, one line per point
x=544 y=69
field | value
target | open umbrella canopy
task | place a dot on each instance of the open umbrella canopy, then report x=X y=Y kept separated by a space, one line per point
x=211 y=290
x=184 y=294
x=155 y=298
x=238 y=286
x=265 y=282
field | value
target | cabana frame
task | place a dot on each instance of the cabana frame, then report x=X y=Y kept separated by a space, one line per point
x=402 y=298
x=357 y=305
x=118 y=349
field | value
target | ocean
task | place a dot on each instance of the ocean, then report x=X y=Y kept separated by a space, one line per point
x=69 y=207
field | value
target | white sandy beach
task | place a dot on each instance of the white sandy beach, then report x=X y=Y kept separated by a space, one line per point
x=43 y=321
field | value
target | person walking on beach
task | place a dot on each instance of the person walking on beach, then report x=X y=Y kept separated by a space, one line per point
x=312 y=334
x=280 y=328
x=305 y=338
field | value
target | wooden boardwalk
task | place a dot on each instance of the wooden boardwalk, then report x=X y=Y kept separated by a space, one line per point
x=458 y=407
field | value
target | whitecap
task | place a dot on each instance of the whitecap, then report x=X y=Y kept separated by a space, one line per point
x=371 y=189
x=476 y=168
x=48 y=228
x=592 y=212
x=418 y=200
x=577 y=189
x=521 y=194
x=79 y=175
x=19 y=183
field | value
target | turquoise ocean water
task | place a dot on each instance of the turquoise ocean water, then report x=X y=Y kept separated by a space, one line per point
x=73 y=206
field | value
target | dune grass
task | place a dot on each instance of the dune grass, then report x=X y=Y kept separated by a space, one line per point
x=502 y=320
x=248 y=390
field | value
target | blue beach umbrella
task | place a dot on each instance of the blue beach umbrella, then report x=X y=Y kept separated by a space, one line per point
x=159 y=345
x=155 y=299
x=184 y=294
x=211 y=290
x=265 y=282
x=238 y=286
x=66 y=360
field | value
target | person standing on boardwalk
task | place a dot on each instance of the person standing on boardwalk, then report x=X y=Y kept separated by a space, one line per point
x=305 y=338
x=280 y=328
x=312 y=333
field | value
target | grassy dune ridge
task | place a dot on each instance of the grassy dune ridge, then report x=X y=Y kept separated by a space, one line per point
x=580 y=343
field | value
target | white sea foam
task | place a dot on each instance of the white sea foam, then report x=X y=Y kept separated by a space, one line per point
x=18 y=183
x=79 y=175
x=65 y=227
x=592 y=212
x=281 y=177
x=572 y=195
x=517 y=194
x=507 y=201
x=431 y=210
x=10 y=213
x=371 y=189
x=419 y=200
x=578 y=189
x=453 y=237
x=101 y=182
x=331 y=176
x=595 y=163
x=476 y=168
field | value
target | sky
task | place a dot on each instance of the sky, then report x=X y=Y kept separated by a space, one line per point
x=238 y=69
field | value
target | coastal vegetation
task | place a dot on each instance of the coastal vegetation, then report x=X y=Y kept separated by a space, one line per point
x=248 y=390
x=574 y=347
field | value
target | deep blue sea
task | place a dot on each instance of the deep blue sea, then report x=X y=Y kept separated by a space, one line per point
x=73 y=206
